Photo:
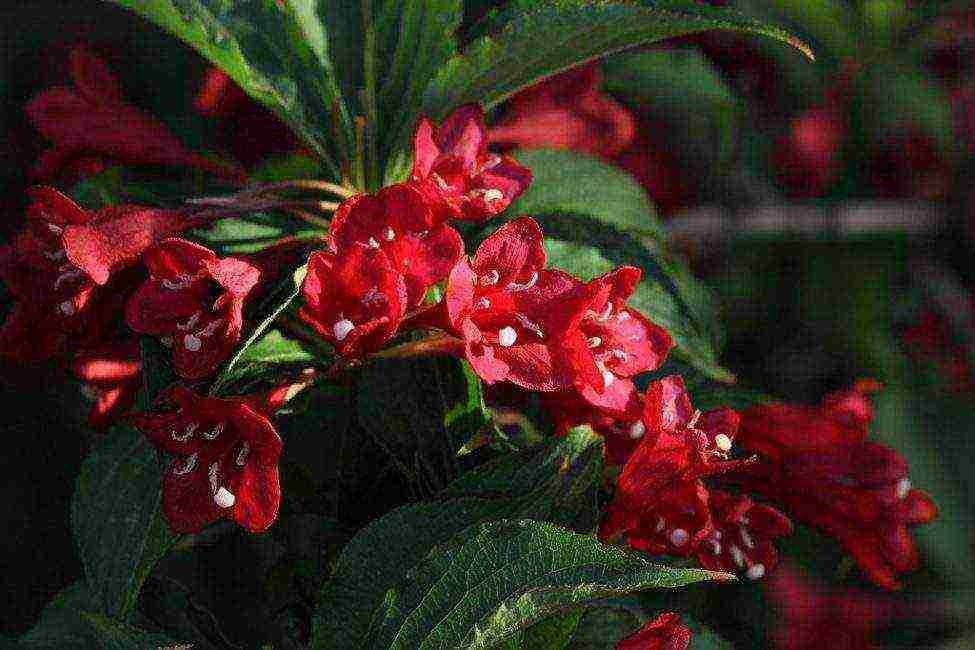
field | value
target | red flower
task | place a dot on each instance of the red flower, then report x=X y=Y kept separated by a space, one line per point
x=355 y=299
x=519 y=321
x=660 y=502
x=814 y=615
x=226 y=460
x=114 y=371
x=397 y=221
x=195 y=300
x=666 y=632
x=567 y=111
x=55 y=264
x=855 y=490
x=742 y=536
x=621 y=342
x=454 y=171
x=92 y=118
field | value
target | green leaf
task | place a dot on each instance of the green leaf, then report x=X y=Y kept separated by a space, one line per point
x=277 y=301
x=422 y=411
x=266 y=361
x=568 y=182
x=70 y=622
x=277 y=52
x=602 y=626
x=544 y=38
x=379 y=556
x=252 y=232
x=115 y=515
x=557 y=478
x=552 y=633
x=497 y=578
x=682 y=86
x=565 y=470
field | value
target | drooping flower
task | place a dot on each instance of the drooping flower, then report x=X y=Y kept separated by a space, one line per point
x=567 y=111
x=193 y=300
x=398 y=221
x=225 y=461
x=742 y=535
x=92 y=118
x=661 y=504
x=666 y=632
x=114 y=372
x=56 y=264
x=621 y=342
x=457 y=175
x=853 y=489
x=354 y=299
x=519 y=321
x=812 y=614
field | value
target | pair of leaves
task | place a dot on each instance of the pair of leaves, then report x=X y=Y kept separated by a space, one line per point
x=470 y=571
x=317 y=63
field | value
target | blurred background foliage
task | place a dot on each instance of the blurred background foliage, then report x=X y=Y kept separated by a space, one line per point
x=830 y=206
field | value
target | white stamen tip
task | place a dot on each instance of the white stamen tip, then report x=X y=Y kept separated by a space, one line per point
x=342 y=328
x=679 y=537
x=637 y=430
x=722 y=442
x=507 y=337
x=66 y=308
x=660 y=524
x=192 y=343
x=595 y=342
x=389 y=234
x=755 y=571
x=493 y=195
x=167 y=341
x=224 y=498
x=904 y=488
x=242 y=454
x=489 y=278
x=608 y=378
x=372 y=243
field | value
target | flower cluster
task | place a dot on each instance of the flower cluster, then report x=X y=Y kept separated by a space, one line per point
x=87 y=282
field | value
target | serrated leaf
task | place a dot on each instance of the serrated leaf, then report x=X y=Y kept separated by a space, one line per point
x=422 y=411
x=557 y=479
x=497 y=578
x=69 y=622
x=379 y=556
x=569 y=183
x=543 y=38
x=116 y=519
x=277 y=52
x=264 y=362
x=566 y=470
